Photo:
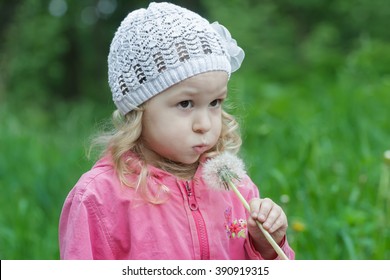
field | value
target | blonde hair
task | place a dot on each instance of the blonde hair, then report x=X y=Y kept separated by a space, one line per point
x=125 y=137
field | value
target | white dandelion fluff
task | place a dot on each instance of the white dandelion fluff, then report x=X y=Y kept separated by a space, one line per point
x=223 y=171
x=223 y=168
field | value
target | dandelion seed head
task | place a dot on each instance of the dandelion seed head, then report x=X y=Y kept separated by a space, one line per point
x=222 y=168
x=284 y=198
x=386 y=157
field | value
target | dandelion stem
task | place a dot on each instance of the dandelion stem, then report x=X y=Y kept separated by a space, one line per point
x=268 y=236
x=221 y=171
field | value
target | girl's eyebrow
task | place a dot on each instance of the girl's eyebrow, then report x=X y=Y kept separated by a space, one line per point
x=222 y=94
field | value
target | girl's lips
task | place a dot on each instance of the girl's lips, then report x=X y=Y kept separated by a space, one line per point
x=200 y=149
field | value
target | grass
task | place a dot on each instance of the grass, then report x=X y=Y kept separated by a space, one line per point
x=42 y=156
x=315 y=147
x=318 y=150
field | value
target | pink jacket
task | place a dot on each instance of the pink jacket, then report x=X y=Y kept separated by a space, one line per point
x=101 y=219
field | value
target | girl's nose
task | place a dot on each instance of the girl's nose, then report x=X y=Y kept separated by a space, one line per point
x=202 y=122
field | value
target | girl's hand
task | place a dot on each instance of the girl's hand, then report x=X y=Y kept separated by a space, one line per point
x=273 y=219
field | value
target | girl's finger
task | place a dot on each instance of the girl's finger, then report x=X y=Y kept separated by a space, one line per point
x=277 y=224
x=265 y=208
x=273 y=216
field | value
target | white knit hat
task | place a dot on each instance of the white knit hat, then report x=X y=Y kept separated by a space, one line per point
x=160 y=46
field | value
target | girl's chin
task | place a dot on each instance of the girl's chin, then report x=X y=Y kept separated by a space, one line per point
x=188 y=160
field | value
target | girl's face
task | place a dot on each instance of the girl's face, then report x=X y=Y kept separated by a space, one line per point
x=184 y=121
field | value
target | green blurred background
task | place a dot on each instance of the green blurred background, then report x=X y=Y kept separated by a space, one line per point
x=313 y=98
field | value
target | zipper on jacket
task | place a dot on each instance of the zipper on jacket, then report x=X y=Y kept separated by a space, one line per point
x=200 y=224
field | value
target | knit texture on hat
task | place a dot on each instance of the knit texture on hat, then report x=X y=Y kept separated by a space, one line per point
x=160 y=46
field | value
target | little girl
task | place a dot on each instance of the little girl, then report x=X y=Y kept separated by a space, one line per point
x=146 y=198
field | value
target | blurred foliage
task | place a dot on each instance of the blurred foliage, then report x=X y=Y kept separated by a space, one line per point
x=58 y=49
x=291 y=39
x=312 y=96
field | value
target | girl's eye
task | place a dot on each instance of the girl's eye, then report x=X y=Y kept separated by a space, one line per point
x=216 y=103
x=186 y=104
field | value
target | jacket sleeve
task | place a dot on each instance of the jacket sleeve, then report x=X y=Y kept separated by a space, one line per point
x=255 y=255
x=251 y=252
x=82 y=235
